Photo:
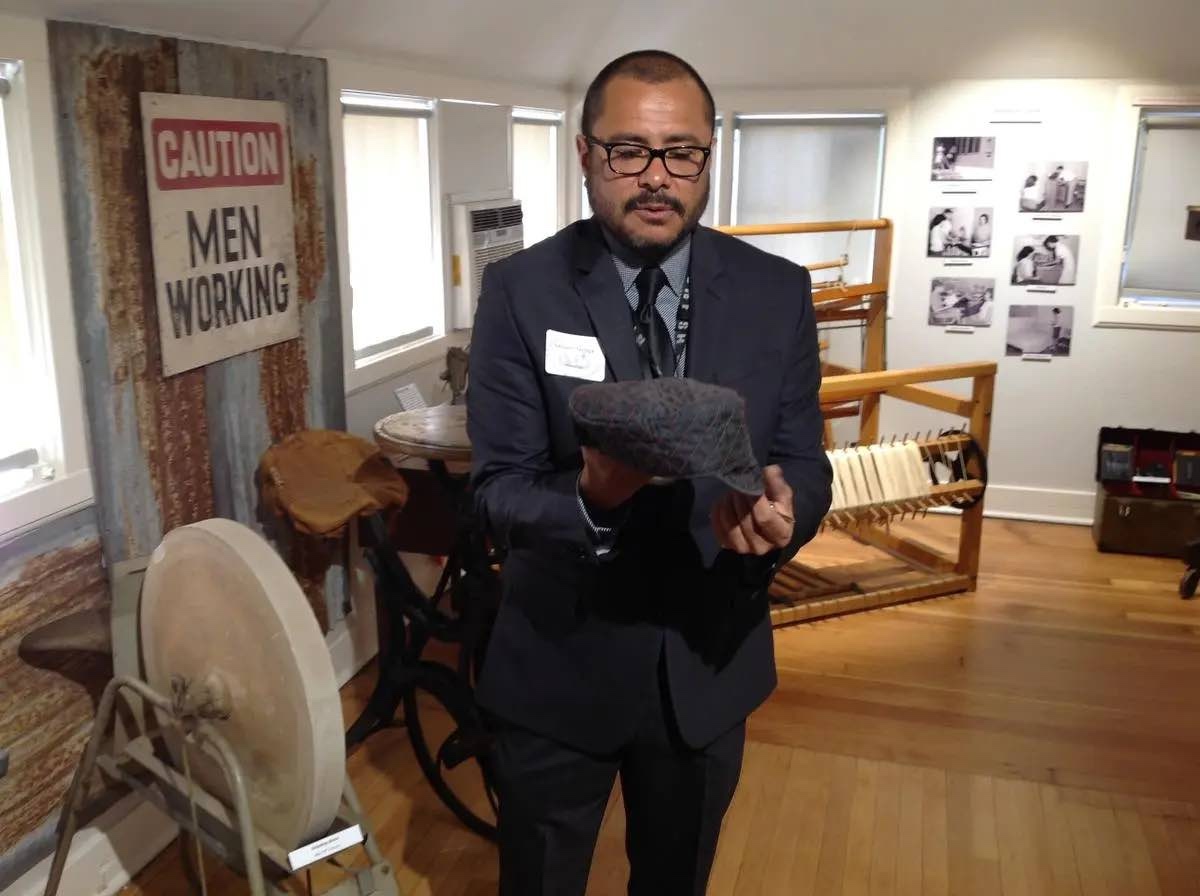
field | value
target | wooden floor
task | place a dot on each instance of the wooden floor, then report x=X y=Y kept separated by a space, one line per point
x=1040 y=736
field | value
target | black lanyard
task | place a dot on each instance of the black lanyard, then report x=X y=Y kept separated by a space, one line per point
x=682 y=319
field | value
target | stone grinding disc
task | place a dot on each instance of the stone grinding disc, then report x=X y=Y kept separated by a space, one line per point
x=219 y=605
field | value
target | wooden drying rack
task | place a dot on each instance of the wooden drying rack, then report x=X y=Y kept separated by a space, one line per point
x=911 y=570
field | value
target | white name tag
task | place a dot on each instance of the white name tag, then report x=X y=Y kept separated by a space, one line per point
x=323 y=849
x=574 y=356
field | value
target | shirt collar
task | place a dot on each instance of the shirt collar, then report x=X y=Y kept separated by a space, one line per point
x=674 y=266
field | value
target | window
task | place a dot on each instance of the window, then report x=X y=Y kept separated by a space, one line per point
x=789 y=168
x=710 y=216
x=1147 y=271
x=535 y=139
x=395 y=283
x=18 y=444
x=43 y=457
x=1162 y=266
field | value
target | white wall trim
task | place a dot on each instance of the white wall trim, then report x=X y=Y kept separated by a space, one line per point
x=401 y=361
x=106 y=854
x=353 y=643
x=37 y=504
x=1041 y=505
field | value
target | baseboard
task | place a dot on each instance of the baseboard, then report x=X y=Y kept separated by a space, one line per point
x=352 y=644
x=1042 y=505
x=106 y=854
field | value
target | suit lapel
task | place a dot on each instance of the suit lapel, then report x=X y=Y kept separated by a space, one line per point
x=710 y=336
x=600 y=288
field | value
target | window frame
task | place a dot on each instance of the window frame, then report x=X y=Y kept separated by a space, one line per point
x=806 y=118
x=348 y=79
x=45 y=272
x=393 y=360
x=392 y=106
x=785 y=119
x=1110 y=309
x=557 y=117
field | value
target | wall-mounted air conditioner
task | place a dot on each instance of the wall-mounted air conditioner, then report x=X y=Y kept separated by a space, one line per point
x=483 y=232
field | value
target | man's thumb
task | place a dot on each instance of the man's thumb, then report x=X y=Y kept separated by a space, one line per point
x=775 y=485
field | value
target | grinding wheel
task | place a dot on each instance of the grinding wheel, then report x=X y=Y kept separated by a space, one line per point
x=221 y=611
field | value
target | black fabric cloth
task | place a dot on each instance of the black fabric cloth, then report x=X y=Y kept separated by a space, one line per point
x=553 y=800
x=659 y=355
x=673 y=428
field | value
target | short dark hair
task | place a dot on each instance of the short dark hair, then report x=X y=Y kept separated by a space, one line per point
x=649 y=67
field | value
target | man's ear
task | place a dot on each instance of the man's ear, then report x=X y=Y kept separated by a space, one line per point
x=582 y=148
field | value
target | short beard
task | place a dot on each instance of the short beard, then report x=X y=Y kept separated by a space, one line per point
x=649 y=250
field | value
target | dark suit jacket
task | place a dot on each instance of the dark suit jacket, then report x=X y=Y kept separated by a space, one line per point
x=578 y=636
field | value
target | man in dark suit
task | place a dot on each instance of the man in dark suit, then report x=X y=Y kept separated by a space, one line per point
x=633 y=636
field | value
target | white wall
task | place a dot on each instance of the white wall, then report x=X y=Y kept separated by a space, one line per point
x=1046 y=416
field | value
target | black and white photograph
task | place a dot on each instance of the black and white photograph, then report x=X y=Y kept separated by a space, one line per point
x=959 y=233
x=1054 y=187
x=1045 y=260
x=1039 y=330
x=961 y=301
x=963 y=158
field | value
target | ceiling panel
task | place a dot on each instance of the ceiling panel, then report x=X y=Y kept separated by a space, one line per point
x=267 y=22
x=756 y=43
x=770 y=43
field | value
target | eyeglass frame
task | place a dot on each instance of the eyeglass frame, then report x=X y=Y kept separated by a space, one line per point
x=660 y=154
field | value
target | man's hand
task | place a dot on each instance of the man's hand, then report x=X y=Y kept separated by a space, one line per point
x=756 y=525
x=607 y=483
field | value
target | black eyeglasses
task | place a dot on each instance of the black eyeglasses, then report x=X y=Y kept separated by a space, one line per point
x=633 y=158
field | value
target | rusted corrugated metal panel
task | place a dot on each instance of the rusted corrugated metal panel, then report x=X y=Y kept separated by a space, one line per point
x=149 y=435
x=46 y=703
x=170 y=451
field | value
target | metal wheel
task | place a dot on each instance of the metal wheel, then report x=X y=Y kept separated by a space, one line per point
x=452 y=746
x=1187 y=585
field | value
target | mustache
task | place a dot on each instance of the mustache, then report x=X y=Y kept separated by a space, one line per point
x=644 y=199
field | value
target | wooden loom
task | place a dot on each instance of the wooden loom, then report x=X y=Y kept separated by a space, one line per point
x=911 y=570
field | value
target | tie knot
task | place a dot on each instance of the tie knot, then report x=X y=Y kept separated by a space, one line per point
x=649 y=281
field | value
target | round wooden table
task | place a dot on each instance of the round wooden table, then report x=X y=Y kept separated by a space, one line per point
x=435 y=434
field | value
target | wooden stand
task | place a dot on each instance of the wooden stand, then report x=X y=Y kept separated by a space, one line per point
x=915 y=570
x=838 y=303
x=910 y=570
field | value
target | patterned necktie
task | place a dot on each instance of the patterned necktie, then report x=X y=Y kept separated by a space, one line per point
x=652 y=327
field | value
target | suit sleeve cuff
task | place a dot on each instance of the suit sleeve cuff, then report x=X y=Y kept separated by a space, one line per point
x=602 y=525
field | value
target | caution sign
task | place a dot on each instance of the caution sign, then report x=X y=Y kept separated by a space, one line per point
x=219 y=181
